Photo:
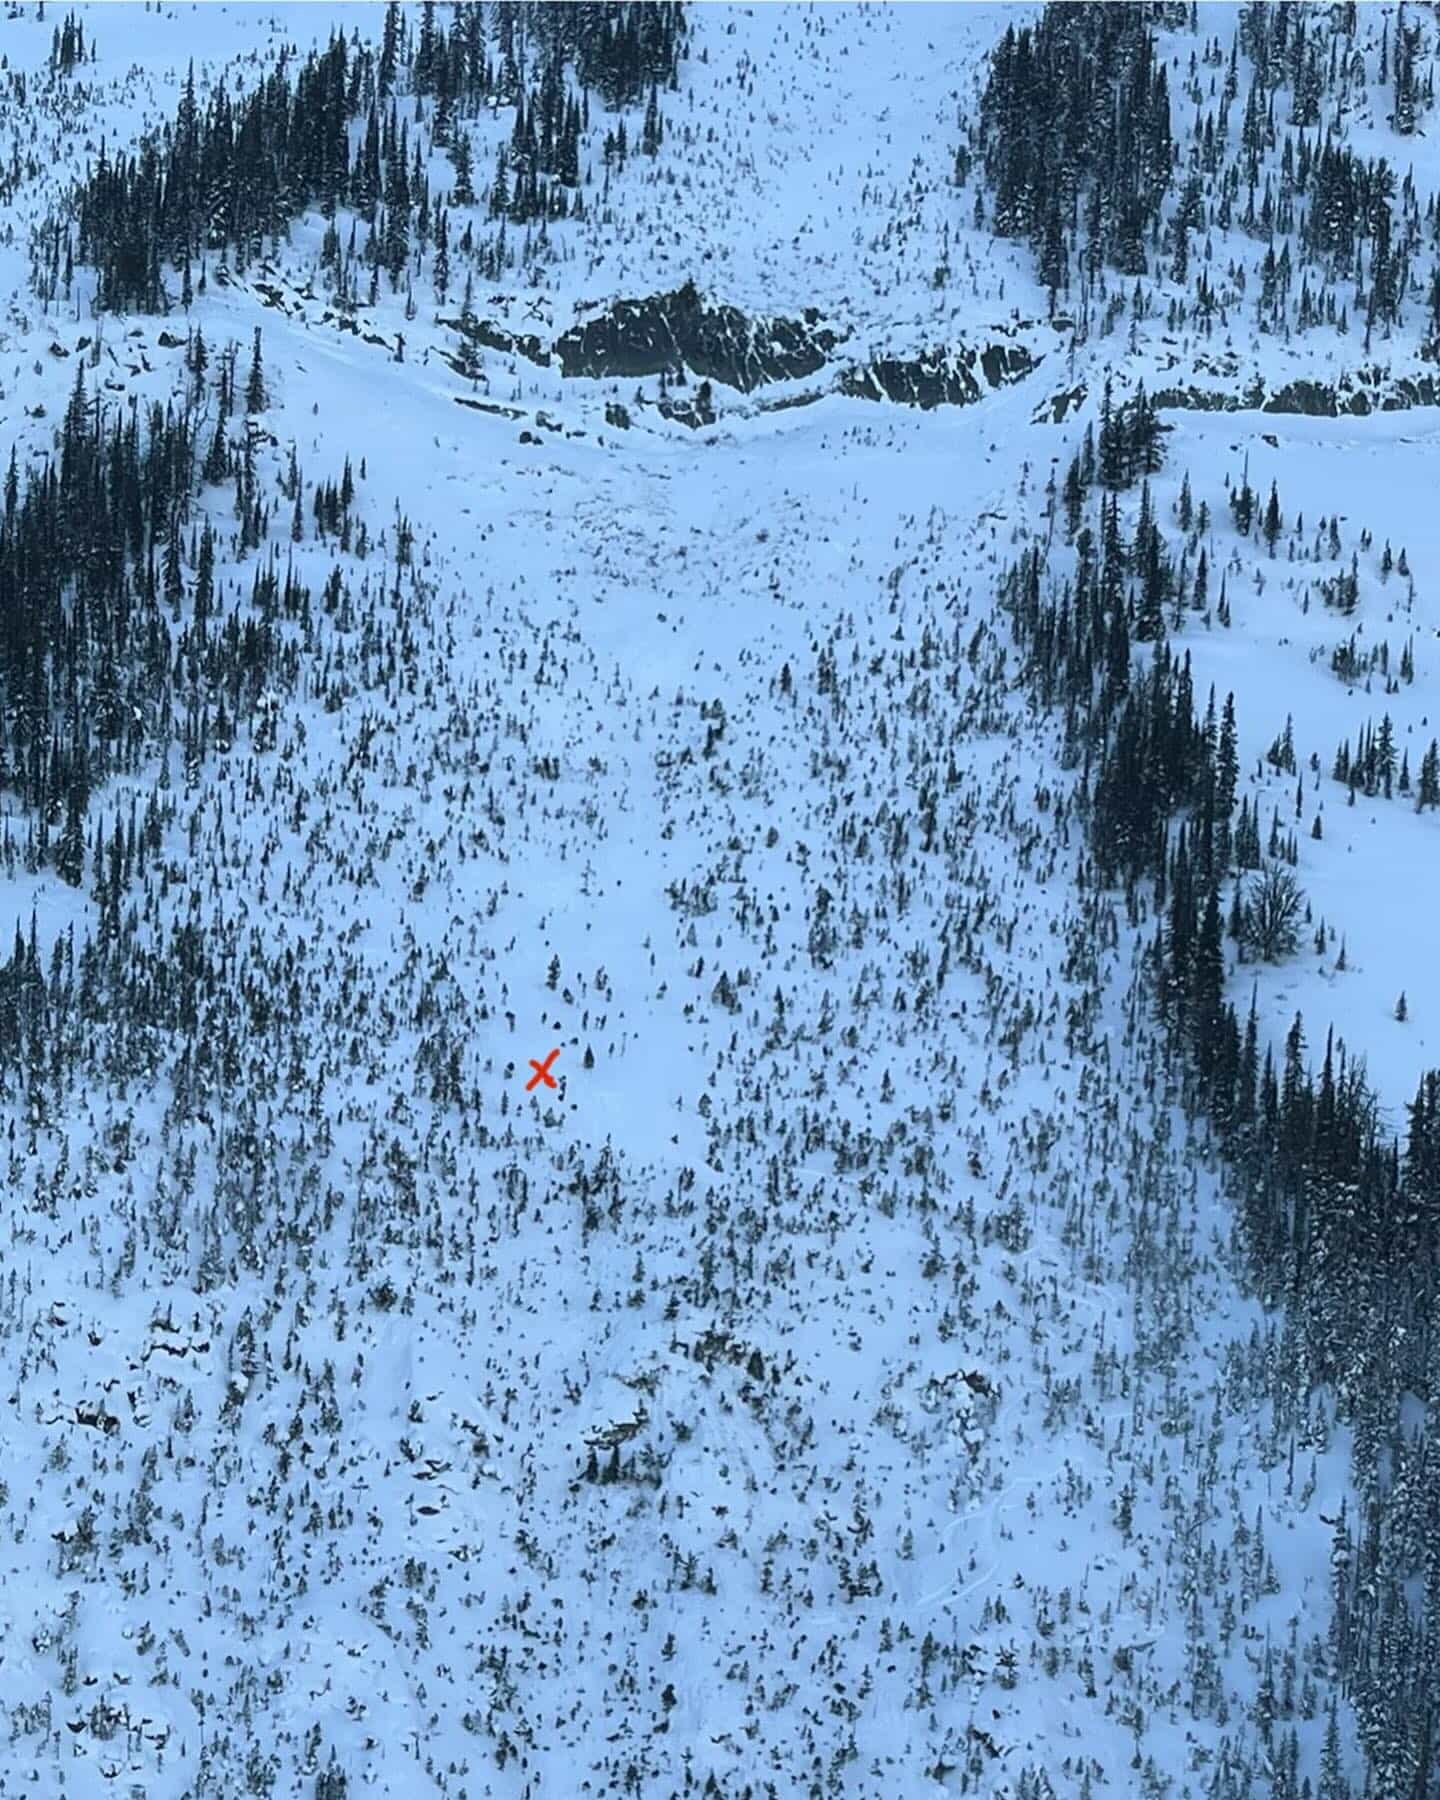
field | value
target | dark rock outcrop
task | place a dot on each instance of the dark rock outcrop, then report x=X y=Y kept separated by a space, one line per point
x=681 y=331
x=1193 y=399
x=1059 y=406
x=637 y=338
x=937 y=377
x=1311 y=399
x=692 y=412
x=481 y=331
x=1354 y=396
x=501 y=412
x=786 y=401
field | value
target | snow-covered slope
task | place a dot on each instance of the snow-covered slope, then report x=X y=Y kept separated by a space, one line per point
x=845 y=1381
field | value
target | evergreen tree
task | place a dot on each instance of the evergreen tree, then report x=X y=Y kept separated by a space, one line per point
x=1273 y=520
x=1427 y=794
x=389 y=50
x=256 y=399
x=463 y=192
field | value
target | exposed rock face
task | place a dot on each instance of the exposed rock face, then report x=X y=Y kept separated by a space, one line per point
x=1309 y=398
x=526 y=345
x=637 y=338
x=1417 y=390
x=1059 y=406
x=694 y=413
x=507 y=343
x=938 y=377
x=503 y=412
x=656 y=336
x=1355 y=395
x=1193 y=399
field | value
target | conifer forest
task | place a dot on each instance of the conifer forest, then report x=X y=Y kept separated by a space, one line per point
x=719 y=823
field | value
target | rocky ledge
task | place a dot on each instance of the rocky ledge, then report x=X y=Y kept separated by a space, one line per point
x=665 y=334
x=1352 y=395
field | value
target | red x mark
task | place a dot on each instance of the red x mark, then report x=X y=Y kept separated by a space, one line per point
x=542 y=1072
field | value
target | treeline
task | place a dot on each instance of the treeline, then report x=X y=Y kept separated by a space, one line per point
x=226 y=178
x=1075 y=144
x=1339 y=1219
x=117 y=636
x=1074 y=134
x=119 y=644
